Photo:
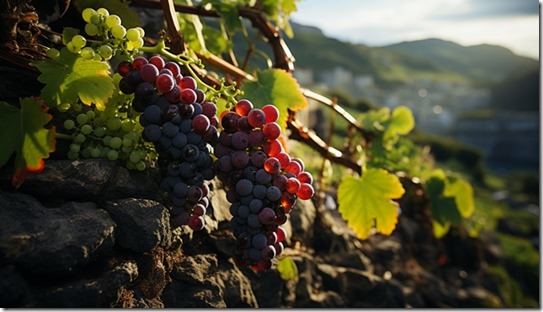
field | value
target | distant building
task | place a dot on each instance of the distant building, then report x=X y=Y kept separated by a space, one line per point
x=508 y=139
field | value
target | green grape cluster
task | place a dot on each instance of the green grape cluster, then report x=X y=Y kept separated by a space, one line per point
x=113 y=134
x=114 y=37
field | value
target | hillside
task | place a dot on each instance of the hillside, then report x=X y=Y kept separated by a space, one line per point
x=434 y=59
x=478 y=62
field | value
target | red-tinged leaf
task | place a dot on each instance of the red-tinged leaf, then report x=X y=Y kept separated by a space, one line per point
x=24 y=135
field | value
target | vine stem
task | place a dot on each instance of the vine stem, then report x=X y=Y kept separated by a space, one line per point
x=63 y=136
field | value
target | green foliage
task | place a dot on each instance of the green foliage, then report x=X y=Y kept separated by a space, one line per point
x=524 y=260
x=451 y=200
x=509 y=289
x=70 y=78
x=366 y=203
x=24 y=134
x=287 y=269
x=278 y=87
x=279 y=11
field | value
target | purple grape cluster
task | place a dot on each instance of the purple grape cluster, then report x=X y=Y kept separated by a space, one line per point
x=182 y=125
x=262 y=181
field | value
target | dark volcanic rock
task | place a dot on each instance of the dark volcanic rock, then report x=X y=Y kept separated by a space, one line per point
x=142 y=224
x=51 y=240
x=102 y=292
x=90 y=179
x=12 y=287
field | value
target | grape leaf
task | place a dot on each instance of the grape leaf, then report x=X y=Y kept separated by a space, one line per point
x=70 y=77
x=401 y=122
x=443 y=207
x=277 y=87
x=462 y=191
x=228 y=10
x=366 y=203
x=128 y=16
x=287 y=269
x=24 y=135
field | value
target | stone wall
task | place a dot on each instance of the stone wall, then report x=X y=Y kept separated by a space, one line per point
x=91 y=234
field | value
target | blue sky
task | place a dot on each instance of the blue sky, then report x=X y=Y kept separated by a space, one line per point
x=511 y=23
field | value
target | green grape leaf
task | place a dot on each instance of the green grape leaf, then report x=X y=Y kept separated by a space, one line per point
x=366 y=203
x=279 y=11
x=277 y=87
x=443 y=207
x=24 y=134
x=129 y=17
x=69 y=77
x=401 y=122
x=374 y=119
x=228 y=10
x=462 y=191
x=287 y=269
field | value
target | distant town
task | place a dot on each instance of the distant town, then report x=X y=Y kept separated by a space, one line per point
x=509 y=139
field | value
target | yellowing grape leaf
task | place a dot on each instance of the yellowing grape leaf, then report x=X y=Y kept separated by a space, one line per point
x=23 y=134
x=440 y=229
x=287 y=269
x=277 y=87
x=366 y=203
x=401 y=122
x=70 y=77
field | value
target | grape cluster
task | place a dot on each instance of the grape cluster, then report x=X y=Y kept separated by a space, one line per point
x=181 y=125
x=262 y=181
x=108 y=26
x=111 y=133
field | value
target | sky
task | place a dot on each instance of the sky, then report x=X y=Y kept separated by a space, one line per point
x=513 y=24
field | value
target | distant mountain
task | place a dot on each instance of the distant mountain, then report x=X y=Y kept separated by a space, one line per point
x=394 y=64
x=486 y=62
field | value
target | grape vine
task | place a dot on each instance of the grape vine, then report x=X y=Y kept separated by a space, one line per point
x=124 y=95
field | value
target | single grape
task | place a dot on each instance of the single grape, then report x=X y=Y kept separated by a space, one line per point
x=187 y=82
x=272 y=113
x=118 y=31
x=152 y=133
x=266 y=216
x=273 y=193
x=305 y=177
x=112 y=155
x=164 y=83
x=132 y=34
x=272 y=165
x=87 y=13
x=243 y=107
x=240 y=140
x=79 y=41
x=305 y=192
x=149 y=72
x=86 y=129
x=91 y=29
x=69 y=124
x=256 y=118
x=293 y=185
x=200 y=123
x=271 y=130
x=239 y=159
x=187 y=96
x=105 y=51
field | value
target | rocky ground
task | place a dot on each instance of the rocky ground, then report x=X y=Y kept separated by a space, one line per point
x=91 y=234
